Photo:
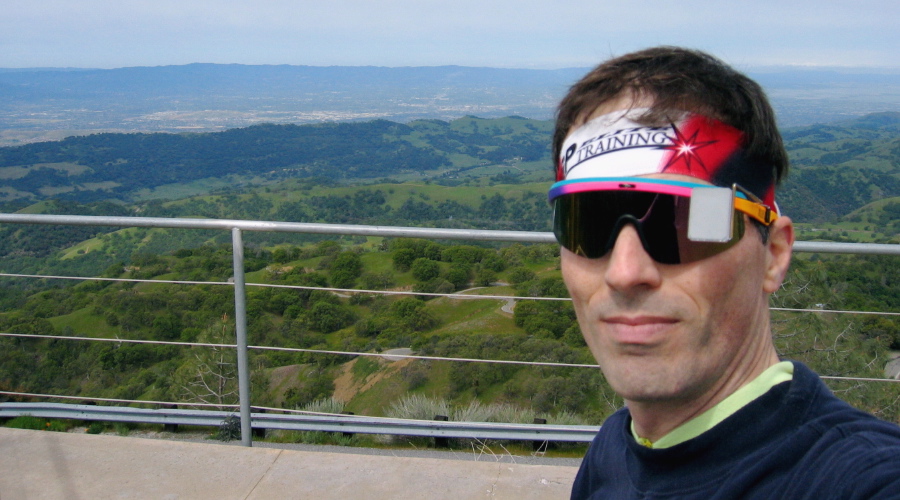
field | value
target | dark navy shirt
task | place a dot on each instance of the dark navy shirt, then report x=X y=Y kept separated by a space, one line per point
x=795 y=441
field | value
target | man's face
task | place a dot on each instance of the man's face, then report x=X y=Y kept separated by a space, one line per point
x=676 y=332
x=663 y=332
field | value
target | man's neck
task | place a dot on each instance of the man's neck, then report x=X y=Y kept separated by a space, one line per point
x=654 y=419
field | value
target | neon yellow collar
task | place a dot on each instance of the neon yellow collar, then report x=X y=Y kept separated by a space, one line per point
x=772 y=376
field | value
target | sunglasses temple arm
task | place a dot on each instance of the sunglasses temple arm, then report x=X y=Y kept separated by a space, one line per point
x=755 y=210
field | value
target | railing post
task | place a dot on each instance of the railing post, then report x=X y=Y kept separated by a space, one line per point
x=240 y=325
x=441 y=442
x=540 y=446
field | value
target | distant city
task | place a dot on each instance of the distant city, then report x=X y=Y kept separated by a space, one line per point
x=48 y=104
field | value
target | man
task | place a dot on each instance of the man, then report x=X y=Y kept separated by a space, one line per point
x=671 y=245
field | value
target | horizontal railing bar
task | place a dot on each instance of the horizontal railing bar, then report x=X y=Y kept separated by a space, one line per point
x=382 y=231
x=83 y=400
x=327 y=423
x=854 y=248
x=284 y=227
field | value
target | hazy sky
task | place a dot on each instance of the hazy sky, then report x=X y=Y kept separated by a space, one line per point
x=498 y=33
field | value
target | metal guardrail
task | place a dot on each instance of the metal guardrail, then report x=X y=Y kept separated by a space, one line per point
x=282 y=227
x=327 y=423
x=382 y=231
x=237 y=226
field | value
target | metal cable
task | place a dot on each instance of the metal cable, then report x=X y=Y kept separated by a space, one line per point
x=314 y=351
x=125 y=280
x=370 y=354
x=296 y=287
x=112 y=400
x=395 y=292
x=125 y=341
x=837 y=311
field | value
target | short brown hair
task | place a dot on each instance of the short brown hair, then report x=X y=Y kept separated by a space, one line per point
x=678 y=80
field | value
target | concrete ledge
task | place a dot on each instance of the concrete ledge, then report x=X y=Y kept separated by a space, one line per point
x=54 y=465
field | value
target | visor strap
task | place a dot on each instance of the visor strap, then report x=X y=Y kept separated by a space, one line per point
x=755 y=210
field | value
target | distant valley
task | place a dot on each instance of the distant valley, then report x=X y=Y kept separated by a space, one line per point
x=50 y=104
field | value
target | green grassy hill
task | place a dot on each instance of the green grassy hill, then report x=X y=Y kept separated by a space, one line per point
x=842 y=189
x=839 y=168
x=307 y=319
x=836 y=168
x=135 y=167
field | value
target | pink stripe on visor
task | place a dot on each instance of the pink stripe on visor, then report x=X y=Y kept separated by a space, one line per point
x=663 y=186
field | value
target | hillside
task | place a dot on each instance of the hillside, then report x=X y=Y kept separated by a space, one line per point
x=481 y=190
x=836 y=168
x=839 y=168
x=128 y=166
x=301 y=318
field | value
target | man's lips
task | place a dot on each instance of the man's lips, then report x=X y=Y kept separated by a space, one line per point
x=638 y=329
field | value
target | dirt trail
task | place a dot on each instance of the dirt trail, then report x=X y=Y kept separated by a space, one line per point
x=346 y=386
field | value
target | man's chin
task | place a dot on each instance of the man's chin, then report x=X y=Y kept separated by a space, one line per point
x=642 y=383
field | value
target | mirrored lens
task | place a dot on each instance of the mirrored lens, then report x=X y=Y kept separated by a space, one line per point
x=588 y=224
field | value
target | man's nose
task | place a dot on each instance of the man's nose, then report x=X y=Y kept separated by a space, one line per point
x=629 y=264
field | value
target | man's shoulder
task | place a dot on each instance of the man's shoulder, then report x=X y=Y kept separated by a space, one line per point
x=850 y=436
x=824 y=409
x=834 y=420
x=843 y=448
x=860 y=458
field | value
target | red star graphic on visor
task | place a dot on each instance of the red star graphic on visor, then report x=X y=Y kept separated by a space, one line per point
x=685 y=149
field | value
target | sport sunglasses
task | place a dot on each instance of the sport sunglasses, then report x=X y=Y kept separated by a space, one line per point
x=678 y=222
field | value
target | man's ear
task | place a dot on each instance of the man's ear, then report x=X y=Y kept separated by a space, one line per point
x=781 y=241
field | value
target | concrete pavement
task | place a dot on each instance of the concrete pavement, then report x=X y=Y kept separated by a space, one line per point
x=55 y=465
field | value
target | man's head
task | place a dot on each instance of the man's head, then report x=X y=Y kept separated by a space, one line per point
x=670 y=312
x=675 y=80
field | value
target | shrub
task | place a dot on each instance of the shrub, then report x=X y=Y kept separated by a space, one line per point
x=485 y=277
x=325 y=405
x=521 y=275
x=418 y=407
x=556 y=392
x=473 y=412
x=458 y=276
x=425 y=269
x=342 y=278
x=505 y=412
x=377 y=281
x=27 y=422
x=415 y=374
x=326 y=317
x=411 y=313
x=403 y=259
x=125 y=428
x=316 y=384
x=365 y=366
x=230 y=429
